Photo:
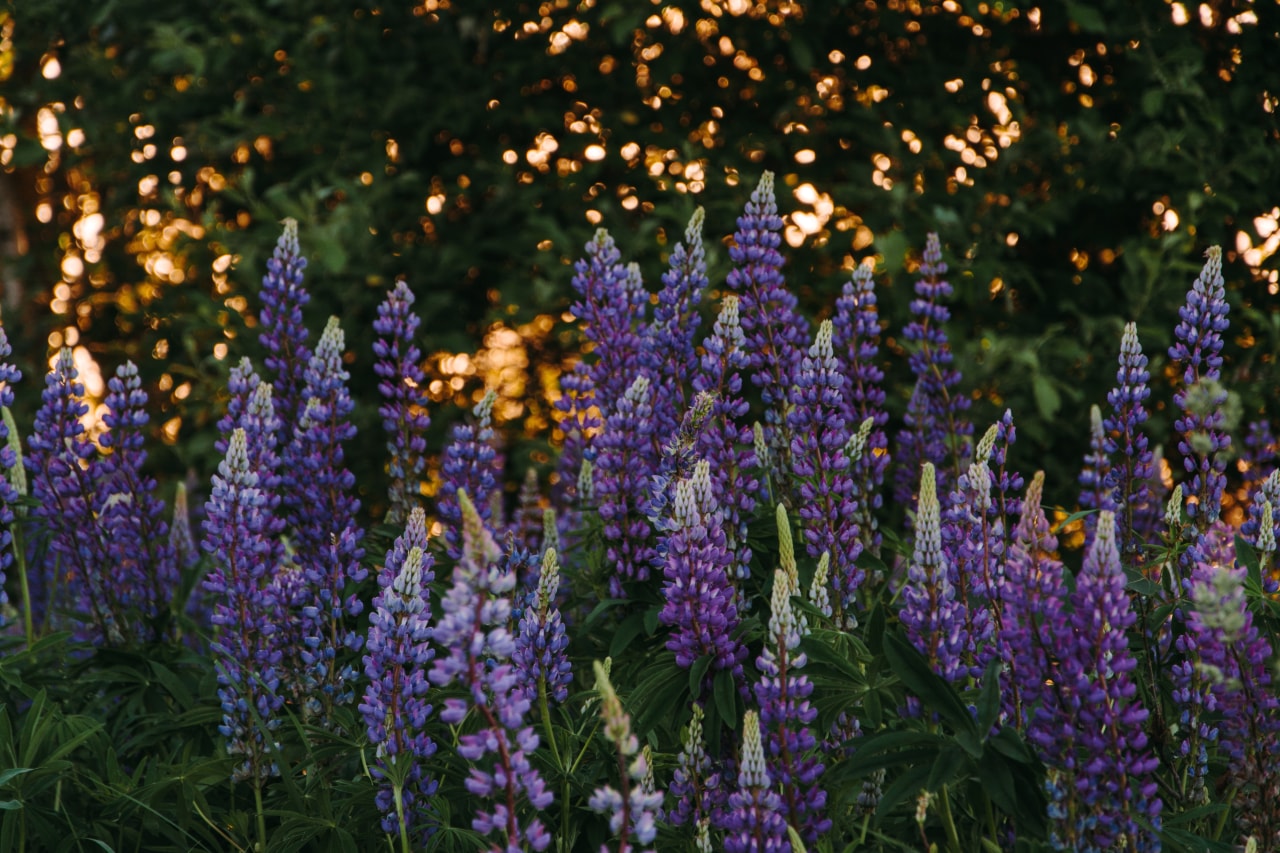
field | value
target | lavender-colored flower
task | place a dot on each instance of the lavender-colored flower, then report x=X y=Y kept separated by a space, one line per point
x=625 y=466
x=695 y=784
x=395 y=709
x=1258 y=456
x=1097 y=490
x=753 y=822
x=469 y=465
x=786 y=715
x=578 y=419
x=1133 y=464
x=823 y=477
x=244 y=611
x=856 y=339
x=934 y=619
x=667 y=353
x=283 y=334
x=477 y=647
x=1254 y=529
x=633 y=810
x=700 y=604
x=1197 y=351
x=9 y=464
x=611 y=306
x=936 y=429
x=541 y=642
x=402 y=385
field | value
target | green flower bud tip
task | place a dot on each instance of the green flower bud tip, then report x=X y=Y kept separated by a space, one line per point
x=786 y=545
x=17 y=474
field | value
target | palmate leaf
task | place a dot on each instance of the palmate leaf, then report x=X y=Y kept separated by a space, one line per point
x=933 y=691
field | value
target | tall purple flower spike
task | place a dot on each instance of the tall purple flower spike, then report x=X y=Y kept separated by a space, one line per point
x=1097 y=489
x=1133 y=464
x=283 y=333
x=402 y=385
x=668 y=353
x=469 y=465
x=934 y=619
x=624 y=468
x=753 y=820
x=611 y=307
x=10 y=465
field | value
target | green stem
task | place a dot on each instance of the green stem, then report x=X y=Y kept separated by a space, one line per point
x=398 y=791
x=20 y=560
x=948 y=822
x=546 y=720
x=262 y=819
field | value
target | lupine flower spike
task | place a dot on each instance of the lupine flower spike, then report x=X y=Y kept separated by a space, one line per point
x=541 y=642
x=1133 y=464
x=632 y=810
x=933 y=618
x=10 y=469
x=402 y=385
x=283 y=333
x=753 y=820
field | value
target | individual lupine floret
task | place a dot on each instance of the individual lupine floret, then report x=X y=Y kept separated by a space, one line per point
x=1197 y=352
x=667 y=353
x=700 y=603
x=856 y=339
x=469 y=465
x=933 y=618
x=130 y=514
x=753 y=820
x=541 y=643
x=936 y=428
x=633 y=810
x=823 y=477
x=395 y=709
x=726 y=444
x=477 y=649
x=283 y=333
x=1093 y=722
x=625 y=466
x=785 y=715
x=611 y=307
x=1097 y=491
x=775 y=331
x=62 y=464
x=403 y=387
x=1132 y=462
x=235 y=536
x=10 y=467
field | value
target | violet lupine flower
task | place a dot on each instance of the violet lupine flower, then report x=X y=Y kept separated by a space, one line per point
x=1097 y=491
x=624 y=468
x=283 y=334
x=726 y=444
x=695 y=784
x=244 y=611
x=753 y=821
x=699 y=598
x=472 y=632
x=539 y=655
x=823 y=477
x=1254 y=528
x=579 y=420
x=934 y=619
x=1092 y=726
x=775 y=331
x=668 y=354
x=785 y=715
x=611 y=306
x=10 y=497
x=469 y=465
x=1197 y=351
x=1133 y=465
x=634 y=810
x=395 y=709
x=856 y=339
x=1235 y=657
x=1258 y=456
x=936 y=428
x=63 y=466
x=402 y=385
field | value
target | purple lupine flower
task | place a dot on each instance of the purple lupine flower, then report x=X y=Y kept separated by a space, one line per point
x=727 y=444
x=624 y=468
x=579 y=421
x=931 y=614
x=137 y=536
x=695 y=784
x=10 y=497
x=822 y=474
x=611 y=306
x=786 y=715
x=283 y=334
x=1094 y=719
x=667 y=353
x=1235 y=657
x=1258 y=456
x=699 y=598
x=775 y=331
x=1197 y=351
x=540 y=645
x=1097 y=489
x=63 y=465
x=402 y=385
x=477 y=647
x=633 y=810
x=235 y=536
x=1254 y=528
x=527 y=527
x=936 y=429
x=1133 y=465
x=469 y=465
x=856 y=340
x=395 y=709
x=753 y=821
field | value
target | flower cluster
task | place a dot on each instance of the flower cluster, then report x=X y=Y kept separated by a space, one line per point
x=10 y=466
x=753 y=819
x=541 y=641
x=633 y=810
x=402 y=385
x=934 y=619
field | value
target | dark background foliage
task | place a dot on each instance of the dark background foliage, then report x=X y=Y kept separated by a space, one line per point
x=1076 y=159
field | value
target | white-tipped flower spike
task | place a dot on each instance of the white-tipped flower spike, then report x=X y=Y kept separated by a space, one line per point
x=550 y=531
x=857 y=444
x=484 y=409
x=819 y=597
x=617 y=723
x=786 y=545
x=311 y=413
x=634 y=280
x=1173 y=510
x=822 y=348
x=1267 y=530
x=729 y=324
x=332 y=342
x=479 y=548
x=17 y=474
x=783 y=628
x=684 y=510
x=408 y=583
x=928 y=519
x=235 y=467
x=752 y=772
x=549 y=579
x=586 y=482
x=693 y=230
x=760 y=445
x=982 y=453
